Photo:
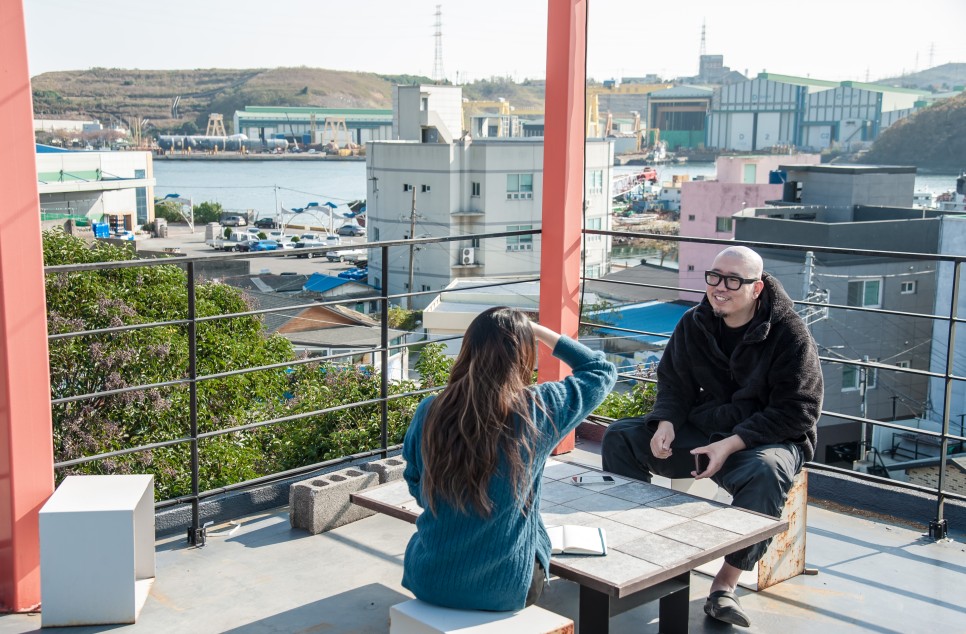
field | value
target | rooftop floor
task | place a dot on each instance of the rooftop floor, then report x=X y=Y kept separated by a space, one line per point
x=872 y=577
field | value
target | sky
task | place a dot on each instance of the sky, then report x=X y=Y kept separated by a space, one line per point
x=824 y=39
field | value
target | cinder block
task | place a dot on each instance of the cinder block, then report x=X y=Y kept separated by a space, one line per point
x=322 y=503
x=416 y=617
x=389 y=469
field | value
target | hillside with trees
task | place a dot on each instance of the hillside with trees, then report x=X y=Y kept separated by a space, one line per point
x=181 y=100
x=932 y=138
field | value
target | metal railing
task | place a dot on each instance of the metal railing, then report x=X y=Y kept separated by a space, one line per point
x=384 y=300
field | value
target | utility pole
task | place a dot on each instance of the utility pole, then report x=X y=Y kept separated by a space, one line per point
x=807 y=281
x=412 y=250
x=863 y=391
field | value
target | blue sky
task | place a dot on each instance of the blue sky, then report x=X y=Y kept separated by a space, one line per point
x=825 y=39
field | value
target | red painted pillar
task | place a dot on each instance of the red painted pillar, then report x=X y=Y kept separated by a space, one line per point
x=26 y=450
x=563 y=179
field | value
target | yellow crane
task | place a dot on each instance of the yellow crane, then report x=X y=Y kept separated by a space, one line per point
x=472 y=108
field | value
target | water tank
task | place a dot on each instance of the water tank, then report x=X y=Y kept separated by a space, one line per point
x=101 y=230
x=306 y=138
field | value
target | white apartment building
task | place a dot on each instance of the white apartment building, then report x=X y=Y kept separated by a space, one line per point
x=436 y=180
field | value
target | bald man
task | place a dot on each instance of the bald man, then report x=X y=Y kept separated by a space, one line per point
x=739 y=388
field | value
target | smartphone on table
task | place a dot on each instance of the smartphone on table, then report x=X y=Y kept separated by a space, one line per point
x=593 y=479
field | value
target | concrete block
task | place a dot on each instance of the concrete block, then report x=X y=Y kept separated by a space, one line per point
x=389 y=469
x=322 y=503
x=416 y=617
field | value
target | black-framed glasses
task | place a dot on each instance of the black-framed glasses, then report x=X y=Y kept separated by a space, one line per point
x=731 y=282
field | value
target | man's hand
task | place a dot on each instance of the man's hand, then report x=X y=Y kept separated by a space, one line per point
x=717 y=453
x=662 y=439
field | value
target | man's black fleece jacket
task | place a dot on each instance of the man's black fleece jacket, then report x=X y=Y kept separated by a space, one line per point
x=769 y=391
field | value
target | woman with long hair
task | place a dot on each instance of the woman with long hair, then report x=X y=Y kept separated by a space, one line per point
x=474 y=458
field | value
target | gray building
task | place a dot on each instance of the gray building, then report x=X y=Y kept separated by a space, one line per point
x=864 y=208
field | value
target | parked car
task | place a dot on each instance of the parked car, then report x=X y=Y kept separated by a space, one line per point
x=266 y=245
x=354 y=274
x=246 y=245
x=353 y=231
x=234 y=221
x=347 y=255
x=266 y=223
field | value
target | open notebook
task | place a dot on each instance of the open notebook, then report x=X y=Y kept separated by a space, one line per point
x=571 y=539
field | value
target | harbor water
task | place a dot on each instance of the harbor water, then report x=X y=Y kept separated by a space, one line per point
x=264 y=186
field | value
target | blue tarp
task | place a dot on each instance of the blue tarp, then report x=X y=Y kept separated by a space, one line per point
x=319 y=283
x=656 y=317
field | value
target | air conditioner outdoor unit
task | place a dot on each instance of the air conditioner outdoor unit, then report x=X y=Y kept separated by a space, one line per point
x=467 y=255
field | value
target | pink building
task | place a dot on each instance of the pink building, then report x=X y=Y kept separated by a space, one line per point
x=707 y=207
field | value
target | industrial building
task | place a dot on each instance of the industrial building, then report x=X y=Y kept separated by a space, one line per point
x=435 y=181
x=780 y=110
x=679 y=116
x=86 y=186
x=306 y=125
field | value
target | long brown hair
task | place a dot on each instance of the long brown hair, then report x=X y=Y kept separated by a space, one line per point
x=483 y=416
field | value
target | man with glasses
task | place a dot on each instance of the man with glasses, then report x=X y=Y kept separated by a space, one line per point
x=739 y=392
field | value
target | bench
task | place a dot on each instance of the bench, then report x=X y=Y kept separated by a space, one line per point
x=417 y=617
x=683 y=532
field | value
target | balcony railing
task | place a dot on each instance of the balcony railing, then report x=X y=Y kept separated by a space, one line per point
x=190 y=321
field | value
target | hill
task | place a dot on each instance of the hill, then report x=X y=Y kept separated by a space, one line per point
x=938 y=78
x=932 y=138
x=126 y=94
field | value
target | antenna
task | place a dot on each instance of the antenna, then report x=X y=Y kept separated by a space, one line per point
x=932 y=53
x=438 y=75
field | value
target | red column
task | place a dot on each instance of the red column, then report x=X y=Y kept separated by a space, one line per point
x=563 y=179
x=26 y=454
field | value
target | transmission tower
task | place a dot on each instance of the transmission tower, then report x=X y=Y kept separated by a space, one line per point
x=704 y=50
x=438 y=75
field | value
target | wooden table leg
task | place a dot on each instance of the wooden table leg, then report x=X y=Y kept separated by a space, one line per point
x=594 y=615
x=673 y=609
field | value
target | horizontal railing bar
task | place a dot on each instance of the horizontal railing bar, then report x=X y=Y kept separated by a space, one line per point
x=121 y=452
x=120 y=390
x=113 y=329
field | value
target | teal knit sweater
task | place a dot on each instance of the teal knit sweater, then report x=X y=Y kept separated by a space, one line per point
x=465 y=561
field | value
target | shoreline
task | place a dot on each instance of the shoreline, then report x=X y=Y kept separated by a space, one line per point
x=238 y=156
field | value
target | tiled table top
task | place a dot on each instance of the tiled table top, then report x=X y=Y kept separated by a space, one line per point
x=653 y=533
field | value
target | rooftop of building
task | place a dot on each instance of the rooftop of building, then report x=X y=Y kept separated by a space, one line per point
x=871 y=574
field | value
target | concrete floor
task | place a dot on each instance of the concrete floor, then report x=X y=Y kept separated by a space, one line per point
x=872 y=577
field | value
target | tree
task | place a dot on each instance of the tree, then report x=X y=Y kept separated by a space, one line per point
x=207 y=212
x=119 y=360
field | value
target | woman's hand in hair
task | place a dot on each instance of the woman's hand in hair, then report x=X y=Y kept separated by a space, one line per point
x=544 y=334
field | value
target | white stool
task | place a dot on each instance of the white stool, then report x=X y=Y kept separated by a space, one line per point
x=96 y=550
x=417 y=617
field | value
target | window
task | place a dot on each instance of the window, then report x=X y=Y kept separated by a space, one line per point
x=424 y=288
x=595 y=182
x=425 y=188
x=375 y=233
x=407 y=187
x=865 y=293
x=908 y=288
x=724 y=224
x=519 y=186
x=902 y=364
x=475 y=189
x=141 y=200
x=690 y=217
x=424 y=104
x=852 y=376
x=594 y=223
x=519 y=243
x=690 y=267
x=592 y=271
x=475 y=243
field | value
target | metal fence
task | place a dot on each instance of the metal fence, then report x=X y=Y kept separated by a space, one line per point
x=943 y=438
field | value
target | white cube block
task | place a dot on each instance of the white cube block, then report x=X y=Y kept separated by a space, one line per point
x=96 y=550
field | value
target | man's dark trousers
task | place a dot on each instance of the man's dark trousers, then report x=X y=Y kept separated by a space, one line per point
x=758 y=479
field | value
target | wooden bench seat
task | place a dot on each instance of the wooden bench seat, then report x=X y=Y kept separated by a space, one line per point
x=418 y=617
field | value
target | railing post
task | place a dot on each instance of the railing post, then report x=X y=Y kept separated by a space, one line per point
x=937 y=527
x=384 y=353
x=196 y=534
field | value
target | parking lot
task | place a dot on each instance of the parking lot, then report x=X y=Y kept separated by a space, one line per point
x=193 y=244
